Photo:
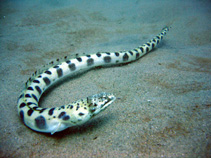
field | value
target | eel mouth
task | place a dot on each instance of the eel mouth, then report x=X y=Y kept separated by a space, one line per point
x=111 y=98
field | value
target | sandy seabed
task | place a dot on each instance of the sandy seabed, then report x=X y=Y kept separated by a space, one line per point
x=163 y=106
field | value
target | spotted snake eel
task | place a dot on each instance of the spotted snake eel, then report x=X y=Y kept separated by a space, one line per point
x=55 y=119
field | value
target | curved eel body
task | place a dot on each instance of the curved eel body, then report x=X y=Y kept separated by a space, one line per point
x=55 y=119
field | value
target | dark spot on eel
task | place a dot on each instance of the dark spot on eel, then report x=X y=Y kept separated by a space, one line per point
x=35 y=97
x=90 y=62
x=36 y=81
x=98 y=55
x=40 y=122
x=137 y=55
x=30 y=111
x=66 y=117
x=79 y=59
x=59 y=72
x=131 y=53
x=77 y=107
x=48 y=72
x=72 y=67
x=30 y=88
x=30 y=103
x=46 y=80
x=22 y=115
x=38 y=89
x=68 y=62
x=107 y=59
x=56 y=67
x=27 y=96
x=22 y=105
x=50 y=112
x=125 y=57
x=117 y=54
x=81 y=114
x=61 y=114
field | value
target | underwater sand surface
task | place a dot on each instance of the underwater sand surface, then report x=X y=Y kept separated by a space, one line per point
x=163 y=100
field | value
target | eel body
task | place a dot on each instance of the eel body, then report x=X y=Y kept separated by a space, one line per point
x=55 y=119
